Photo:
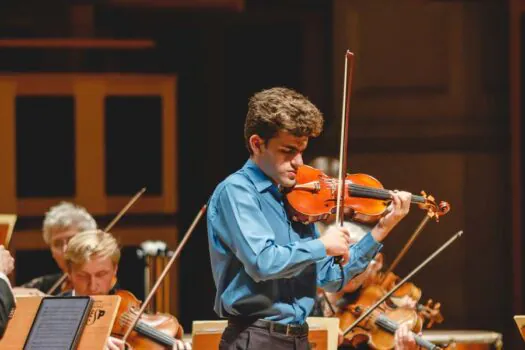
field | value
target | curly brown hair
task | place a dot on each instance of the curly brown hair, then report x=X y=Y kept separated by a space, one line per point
x=279 y=108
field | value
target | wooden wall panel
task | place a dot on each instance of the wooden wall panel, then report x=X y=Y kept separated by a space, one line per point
x=429 y=111
x=407 y=58
x=89 y=91
x=7 y=148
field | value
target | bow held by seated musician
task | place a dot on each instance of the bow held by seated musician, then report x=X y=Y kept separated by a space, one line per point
x=266 y=267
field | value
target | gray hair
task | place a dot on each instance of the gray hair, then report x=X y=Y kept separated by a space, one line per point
x=66 y=216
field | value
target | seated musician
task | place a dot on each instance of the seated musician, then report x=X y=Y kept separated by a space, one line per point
x=92 y=259
x=61 y=222
x=7 y=300
x=328 y=304
x=404 y=339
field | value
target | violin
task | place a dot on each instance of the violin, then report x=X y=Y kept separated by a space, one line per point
x=134 y=321
x=388 y=281
x=158 y=331
x=314 y=198
x=430 y=312
x=378 y=329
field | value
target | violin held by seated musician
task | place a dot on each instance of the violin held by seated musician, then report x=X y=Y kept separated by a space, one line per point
x=379 y=329
x=92 y=259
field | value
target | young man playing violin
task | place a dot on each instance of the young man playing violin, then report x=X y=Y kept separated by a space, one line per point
x=266 y=267
x=92 y=259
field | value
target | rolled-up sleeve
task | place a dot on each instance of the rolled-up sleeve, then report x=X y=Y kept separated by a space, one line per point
x=331 y=277
x=240 y=223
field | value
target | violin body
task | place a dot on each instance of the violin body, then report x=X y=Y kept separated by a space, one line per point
x=429 y=312
x=152 y=331
x=314 y=197
x=376 y=330
x=407 y=289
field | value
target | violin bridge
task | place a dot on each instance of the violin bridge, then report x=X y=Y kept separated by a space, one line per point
x=312 y=186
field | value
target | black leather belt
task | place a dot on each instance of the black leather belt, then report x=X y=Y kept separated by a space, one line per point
x=270 y=326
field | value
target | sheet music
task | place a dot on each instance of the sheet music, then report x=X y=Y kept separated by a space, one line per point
x=57 y=323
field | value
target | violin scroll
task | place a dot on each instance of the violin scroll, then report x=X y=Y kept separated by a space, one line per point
x=434 y=211
x=431 y=312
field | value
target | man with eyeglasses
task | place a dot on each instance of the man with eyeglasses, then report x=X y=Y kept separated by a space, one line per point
x=61 y=223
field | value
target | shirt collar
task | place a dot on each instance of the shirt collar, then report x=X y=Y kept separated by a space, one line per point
x=261 y=181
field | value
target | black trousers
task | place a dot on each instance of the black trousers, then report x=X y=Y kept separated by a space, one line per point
x=237 y=337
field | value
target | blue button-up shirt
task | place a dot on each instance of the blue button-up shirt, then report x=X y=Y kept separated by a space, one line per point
x=265 y=265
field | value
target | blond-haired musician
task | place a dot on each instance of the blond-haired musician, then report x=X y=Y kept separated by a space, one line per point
x=92 y=259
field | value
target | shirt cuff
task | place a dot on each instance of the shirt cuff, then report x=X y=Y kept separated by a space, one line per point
x=4 y=277
x=317 y=249
x=368 y=246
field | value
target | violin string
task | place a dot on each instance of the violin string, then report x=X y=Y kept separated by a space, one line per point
x=367 y=190
x=146 y=329
x=391 y=326
x=358 y=189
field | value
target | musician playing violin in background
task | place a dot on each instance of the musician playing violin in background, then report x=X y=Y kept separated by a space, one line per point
x=266 y=267
x=91 y=260
x=61 y=223
x=403 y=336
x=330 y=304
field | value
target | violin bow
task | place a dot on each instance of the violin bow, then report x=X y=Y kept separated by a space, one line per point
x=347 y=90
x=106 y=229
x=165 y=271
x=124 y=210
x=343 y=145
x=397 y=286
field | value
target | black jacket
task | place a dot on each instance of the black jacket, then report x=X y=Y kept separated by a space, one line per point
x=7 y=304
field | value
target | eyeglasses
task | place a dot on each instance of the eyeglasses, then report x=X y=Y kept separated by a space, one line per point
x=59 y=244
